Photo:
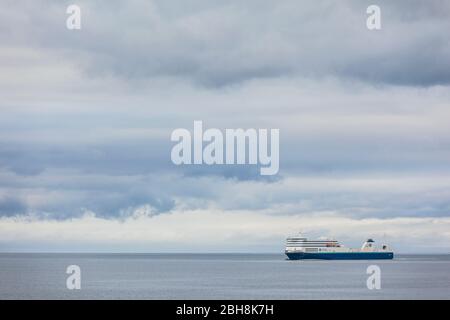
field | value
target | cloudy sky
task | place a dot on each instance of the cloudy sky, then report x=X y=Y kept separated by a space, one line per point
x=86 y=119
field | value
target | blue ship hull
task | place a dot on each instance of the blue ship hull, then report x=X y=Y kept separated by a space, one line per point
x=340 y=255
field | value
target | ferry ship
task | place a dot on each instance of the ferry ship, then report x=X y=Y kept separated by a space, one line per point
x=298 y=247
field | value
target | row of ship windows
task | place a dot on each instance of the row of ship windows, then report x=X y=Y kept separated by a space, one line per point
x=313 y=250
x=300 y=239
x=311 y=241
x=297 y=246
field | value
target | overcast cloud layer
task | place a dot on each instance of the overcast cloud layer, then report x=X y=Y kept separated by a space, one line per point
x=86 y=118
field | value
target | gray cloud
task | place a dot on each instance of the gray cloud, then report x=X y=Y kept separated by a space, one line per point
x=218 y=44
x=63 y=194
x=114 y=157
x=10 y=206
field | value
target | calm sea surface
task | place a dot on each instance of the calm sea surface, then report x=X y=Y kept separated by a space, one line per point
x=219 y=276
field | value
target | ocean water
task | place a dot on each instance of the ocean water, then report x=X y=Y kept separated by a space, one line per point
x=219 y=276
